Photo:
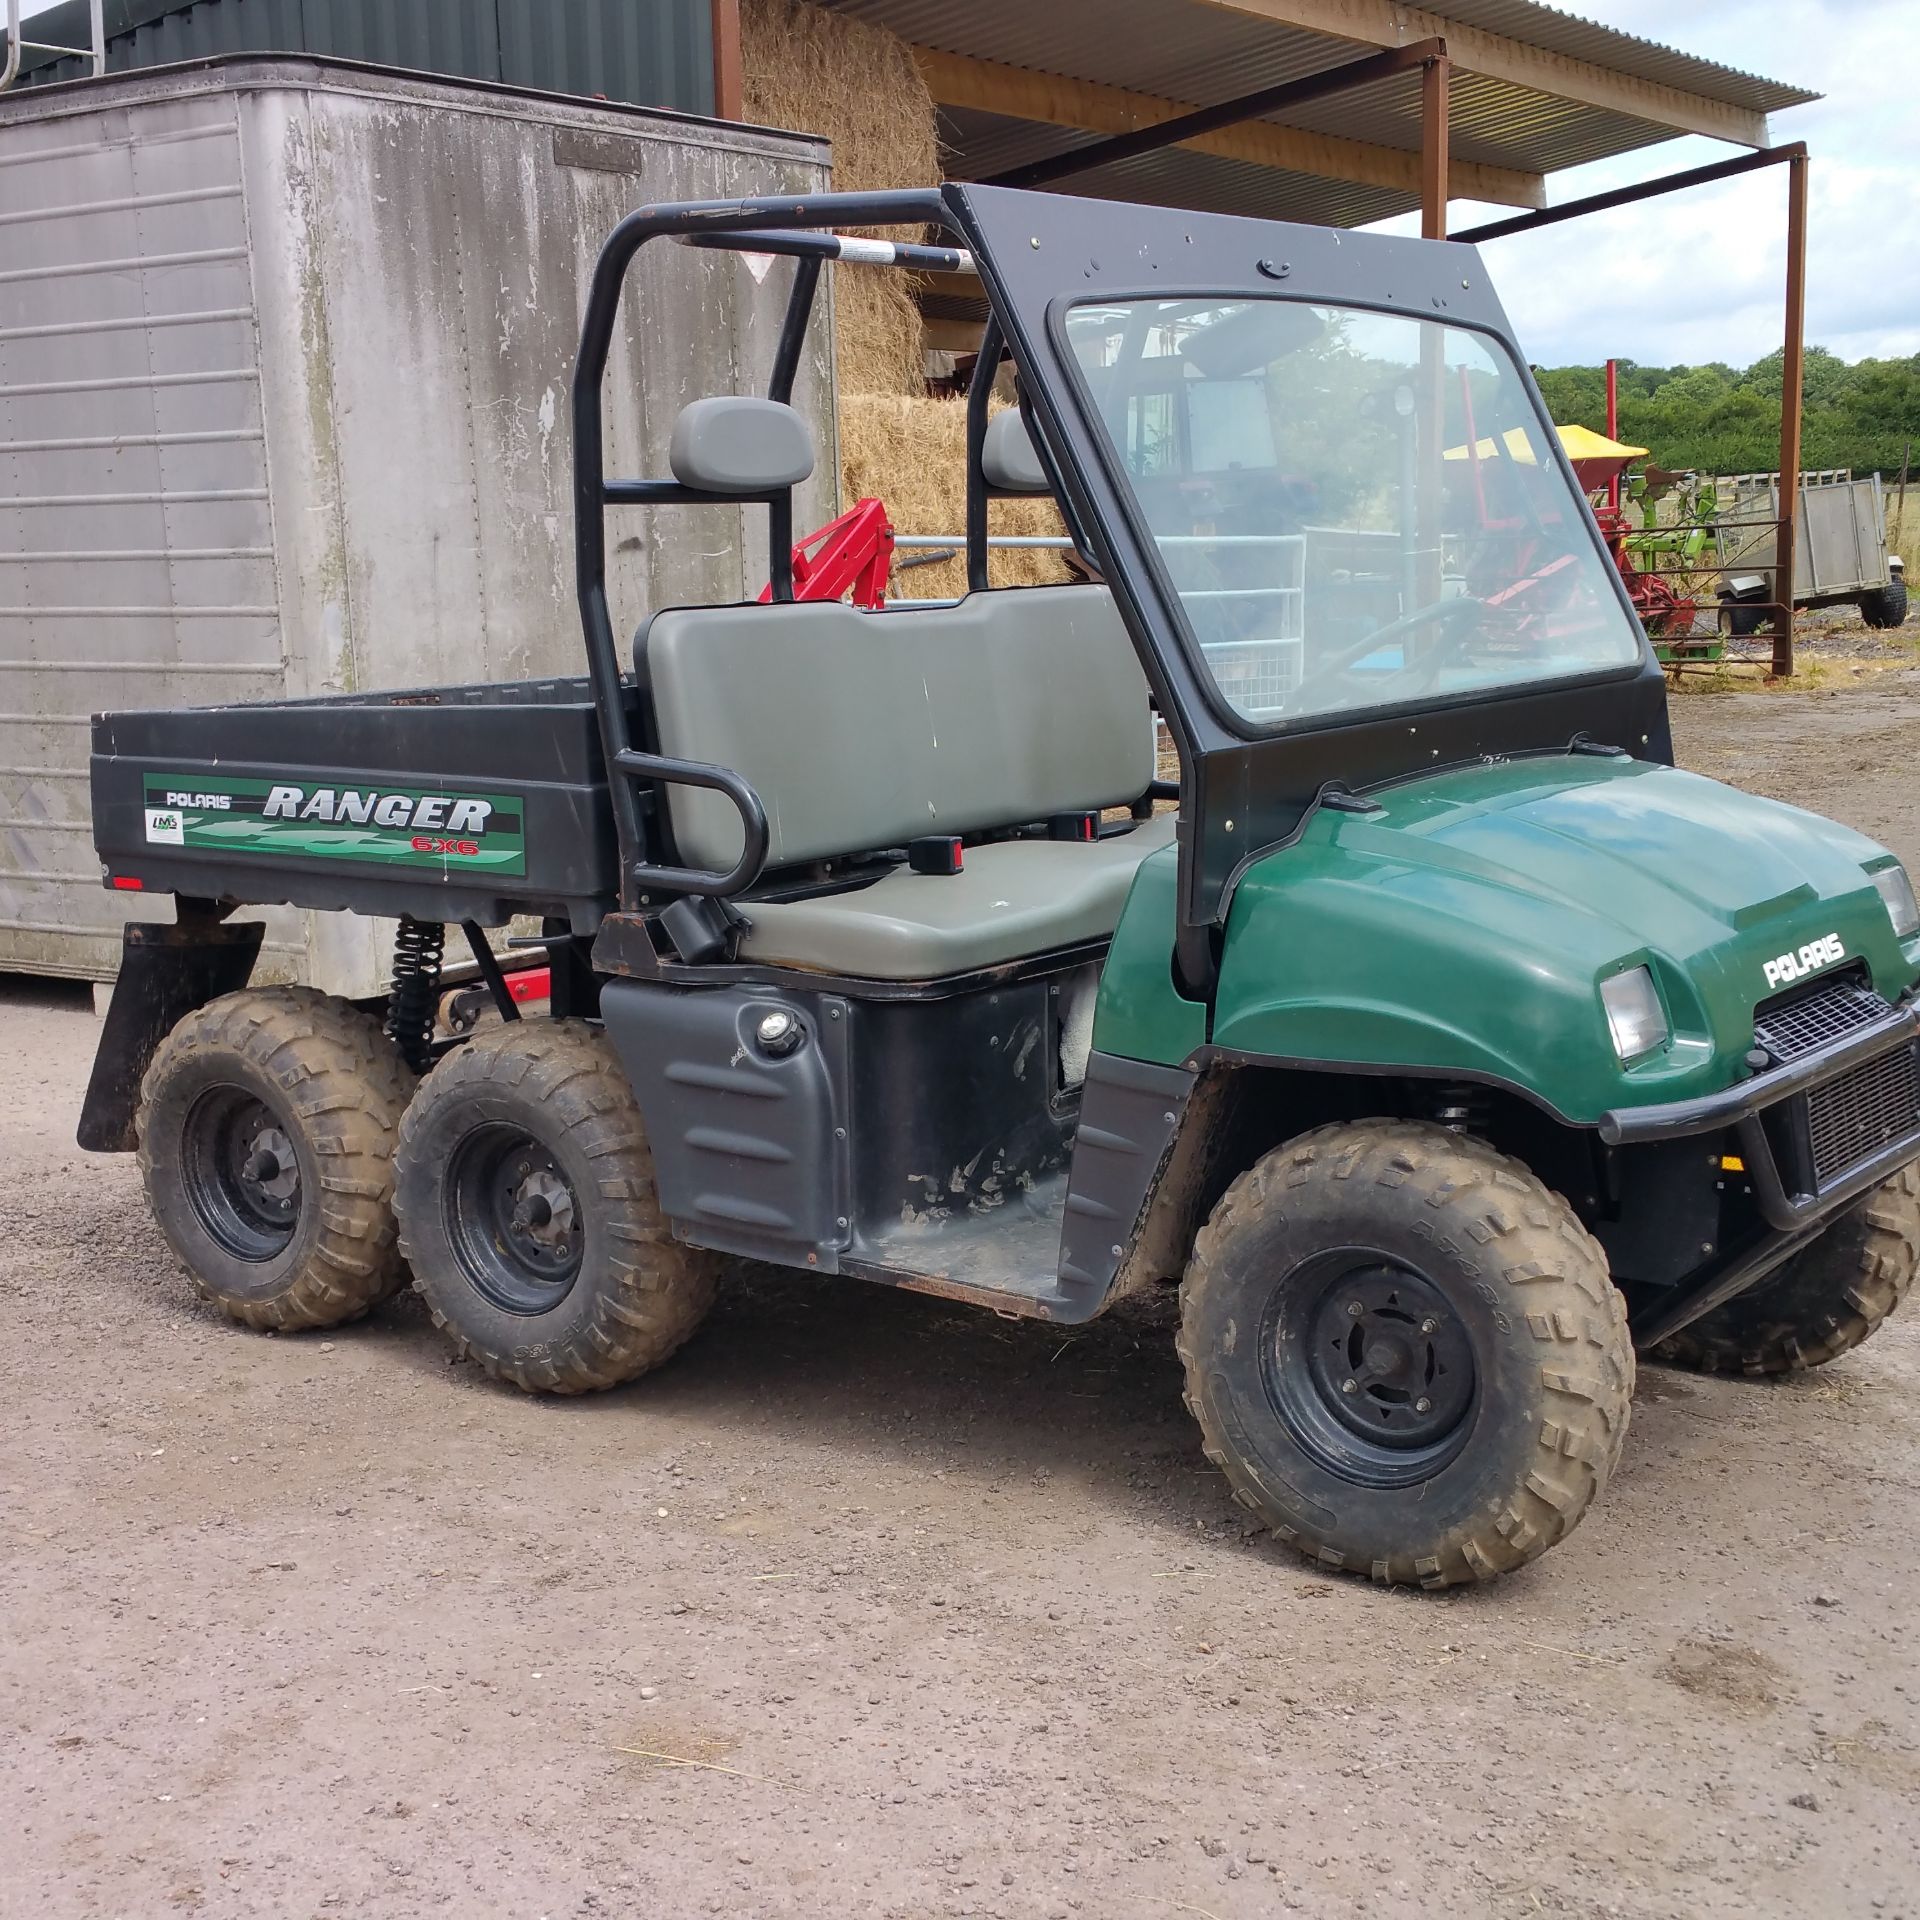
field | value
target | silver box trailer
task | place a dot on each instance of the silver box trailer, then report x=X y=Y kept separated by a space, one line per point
x=1839 y=541
x=284 y=356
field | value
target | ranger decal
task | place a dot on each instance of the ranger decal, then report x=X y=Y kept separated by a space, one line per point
x=380 y=825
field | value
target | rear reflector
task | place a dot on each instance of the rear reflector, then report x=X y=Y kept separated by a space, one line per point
x=126 y=883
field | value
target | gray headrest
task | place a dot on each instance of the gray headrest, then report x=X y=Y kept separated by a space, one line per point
x=1007 y=457
x=735 y=443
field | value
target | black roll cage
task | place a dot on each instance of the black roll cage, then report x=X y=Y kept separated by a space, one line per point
x=798 y=229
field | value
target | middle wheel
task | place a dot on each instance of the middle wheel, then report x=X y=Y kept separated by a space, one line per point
x=525 y=1196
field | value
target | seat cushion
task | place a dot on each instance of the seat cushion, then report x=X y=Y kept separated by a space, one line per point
x=1011 y=899
x=865 y=730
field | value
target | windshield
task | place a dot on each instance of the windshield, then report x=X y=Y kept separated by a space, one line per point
x=1356 y=509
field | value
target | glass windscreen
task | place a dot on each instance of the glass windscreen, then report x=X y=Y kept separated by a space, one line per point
x=1356 y=509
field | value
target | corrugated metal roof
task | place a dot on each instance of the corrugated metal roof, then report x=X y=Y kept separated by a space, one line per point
x=655 y=54
x=1582 y=39
x=1200 y=53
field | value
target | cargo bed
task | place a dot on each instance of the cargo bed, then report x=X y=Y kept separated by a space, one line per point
x=366 y=803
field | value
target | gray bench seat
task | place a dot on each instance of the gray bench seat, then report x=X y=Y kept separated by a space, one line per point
x=861 y=731
x=1013 y=898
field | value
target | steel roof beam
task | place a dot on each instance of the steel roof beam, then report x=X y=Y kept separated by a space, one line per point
x=1020 y=93
x=1245 y=107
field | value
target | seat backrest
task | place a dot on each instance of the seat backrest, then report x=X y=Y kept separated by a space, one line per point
x=862 y=730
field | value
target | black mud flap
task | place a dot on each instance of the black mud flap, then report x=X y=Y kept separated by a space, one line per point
x=165 y=972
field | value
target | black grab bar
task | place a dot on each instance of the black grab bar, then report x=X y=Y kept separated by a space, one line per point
x=753 y=821
x=716 y=223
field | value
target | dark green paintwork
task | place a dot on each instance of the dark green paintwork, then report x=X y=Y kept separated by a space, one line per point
x=1466 y=927
x=1139 y=1014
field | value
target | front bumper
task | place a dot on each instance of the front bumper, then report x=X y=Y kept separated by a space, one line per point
x=1795 y=1181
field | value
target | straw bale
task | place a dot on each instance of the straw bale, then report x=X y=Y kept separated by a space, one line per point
x=805 y=68
x=911 y=453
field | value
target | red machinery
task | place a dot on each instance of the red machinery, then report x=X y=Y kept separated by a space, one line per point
x=1665 y=613
x=850 y=554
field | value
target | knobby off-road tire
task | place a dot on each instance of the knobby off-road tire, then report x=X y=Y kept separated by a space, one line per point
x=527 y=1211
x=1405 y=1353
x=1885 y=606
x=266 y=1133
x=1823 y=1302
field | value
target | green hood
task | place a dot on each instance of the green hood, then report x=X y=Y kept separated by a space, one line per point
x=1469 y=923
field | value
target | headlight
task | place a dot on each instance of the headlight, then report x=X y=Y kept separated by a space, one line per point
x=1635 y=1017
x=1896 y=890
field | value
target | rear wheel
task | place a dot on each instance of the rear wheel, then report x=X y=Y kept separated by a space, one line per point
x=527 y=1211
x=1885 y=606
x=1405 y=1353
x=266 y=1133
x=1823 y=1302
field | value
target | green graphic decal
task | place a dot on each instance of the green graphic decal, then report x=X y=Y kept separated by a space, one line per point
x=389 y=826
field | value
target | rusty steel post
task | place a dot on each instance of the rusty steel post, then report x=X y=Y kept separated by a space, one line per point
x=1435 y=75
x=1791 y=366
x=729 y=97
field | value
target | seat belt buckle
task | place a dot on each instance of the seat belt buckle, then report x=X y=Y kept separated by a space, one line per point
x=1073 y=826
x=936 y=853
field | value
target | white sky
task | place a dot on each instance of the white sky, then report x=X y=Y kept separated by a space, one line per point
x=1699 y=276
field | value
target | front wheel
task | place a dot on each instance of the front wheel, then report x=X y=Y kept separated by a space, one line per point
x=1820 y=1304
x=1405 y=1353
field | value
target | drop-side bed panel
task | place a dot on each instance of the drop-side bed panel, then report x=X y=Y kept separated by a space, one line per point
x=450 y=803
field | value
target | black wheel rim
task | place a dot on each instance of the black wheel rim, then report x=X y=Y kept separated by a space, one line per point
x=242 y=1173
x=514 y=1220
x=1371 y=1367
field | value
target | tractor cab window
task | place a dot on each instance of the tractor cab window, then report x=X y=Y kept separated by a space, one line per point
x=1356 y=509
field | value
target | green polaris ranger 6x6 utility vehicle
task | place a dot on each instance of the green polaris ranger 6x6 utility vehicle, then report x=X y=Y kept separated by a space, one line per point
x=1436 y=1035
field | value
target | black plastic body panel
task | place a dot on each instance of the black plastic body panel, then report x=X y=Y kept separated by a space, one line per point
x=749 y=1148
x=958 y=1104
x=1669 y=1211
x=925 y=1142
x=1129 y=1113
x=533 y=741
x=165 y=973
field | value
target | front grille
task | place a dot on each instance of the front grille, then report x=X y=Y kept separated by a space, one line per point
x=1794 y=1026
x=1853 y=1117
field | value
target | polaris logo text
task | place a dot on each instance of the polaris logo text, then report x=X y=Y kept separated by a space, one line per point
x=1810 y=959
x=348 y=806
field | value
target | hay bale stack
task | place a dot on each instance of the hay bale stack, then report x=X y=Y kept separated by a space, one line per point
x=819 y=72
x=912 y=453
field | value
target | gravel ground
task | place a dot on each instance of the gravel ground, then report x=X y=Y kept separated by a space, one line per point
x=868 y=1605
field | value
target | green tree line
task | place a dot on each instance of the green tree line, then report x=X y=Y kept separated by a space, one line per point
x=1718 y=419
